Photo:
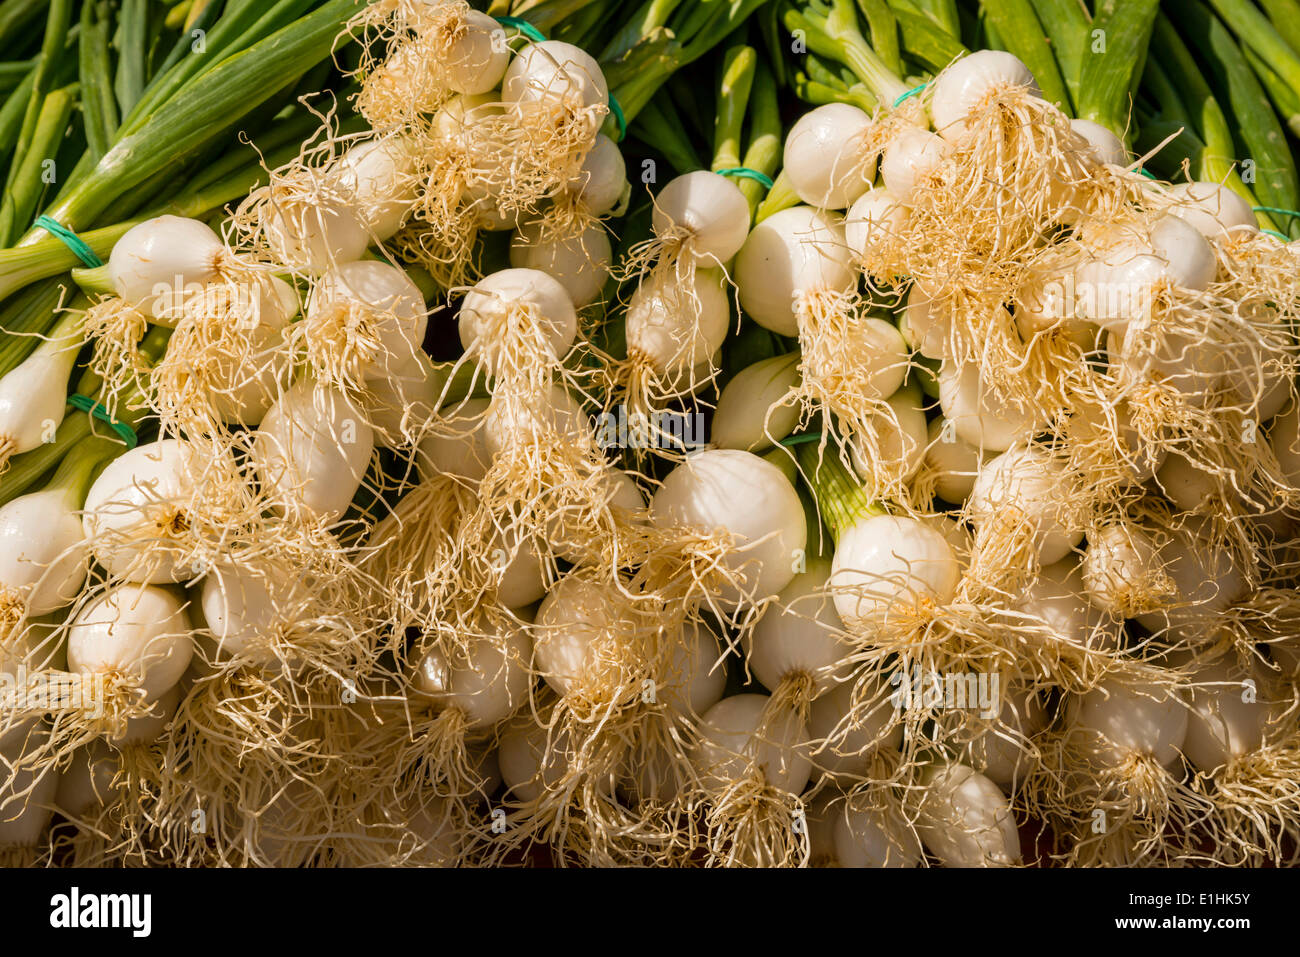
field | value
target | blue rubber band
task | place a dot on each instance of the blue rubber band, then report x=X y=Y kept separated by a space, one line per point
x=744 y=172
x=86 y=404
x=70 y=239
x=803 y=439
x=524 y=27
x=910 y=93
x=1275 y=234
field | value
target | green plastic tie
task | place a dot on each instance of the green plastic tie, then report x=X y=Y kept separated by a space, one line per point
x=524 y=27
x=1274 y=209
x=86 y=404
x=908 y=95
x=619 y=118
x=70 y=239
x=744 y=172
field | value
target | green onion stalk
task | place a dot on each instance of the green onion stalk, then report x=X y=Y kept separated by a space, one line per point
x=821 y=82
x=80 y=433
x=1188 y=111
x=176 y=117
x=840 y=497
x=928 y=44
x=832 y=30
x=670 y=35
x=1259 y=132
x=747 y=104
x=187 y=113
x=659 y=126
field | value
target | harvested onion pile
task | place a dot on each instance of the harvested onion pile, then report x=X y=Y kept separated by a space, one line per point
x=935 y=503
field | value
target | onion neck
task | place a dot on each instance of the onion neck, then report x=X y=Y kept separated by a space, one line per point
x=841 y=499
x=80 y=467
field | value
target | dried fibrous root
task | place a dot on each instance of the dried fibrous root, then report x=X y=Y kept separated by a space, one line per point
x=250 y=753
x=114 y=330
x=1097 y=439
x=980 y=639
x=416 y=560
x=750 y=823
x=226 y=360
x=460 y=192
x=547 y=479
x=625 y=719
x=702 y=570
x=1123 y=571
x=178 y=529
x=486 y=166
x=997 y=729
x=425 y=727
x=1268 y=616
x=852 y=368
x=436 y=754
x=1122 y=798
x=27 y=791
x=85 y=843
x=1129 y=815
x=56 y=714
x=120 y=830
x=13 y=611
x=1195 y=378
x=960 y=227
x=33 y=642
x=293 y=612
x=1256 y=800
x=449 y=253
x=430 y=832
x=1111 y=193
x=1008 y=542
x=1258 y=270
x=1030 y=370
x=606 y=800
x=406 y=46
x=674 y=330
x=566 y=218
x=305 y=220
x=639 y=418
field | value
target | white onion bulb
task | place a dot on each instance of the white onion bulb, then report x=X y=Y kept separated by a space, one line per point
x=156 y=258
x=707 y=207
x=579 y=263
x=488 y=307
x=964 y=86
x=488 y=683
x=740 y=493
x=1031 y=482
x=888 y=565
x=312 y=450
x=823 y=156
x=394 y=307
x=132 y=505
x=44 y=556
x=789 y=255
x=138 y=630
